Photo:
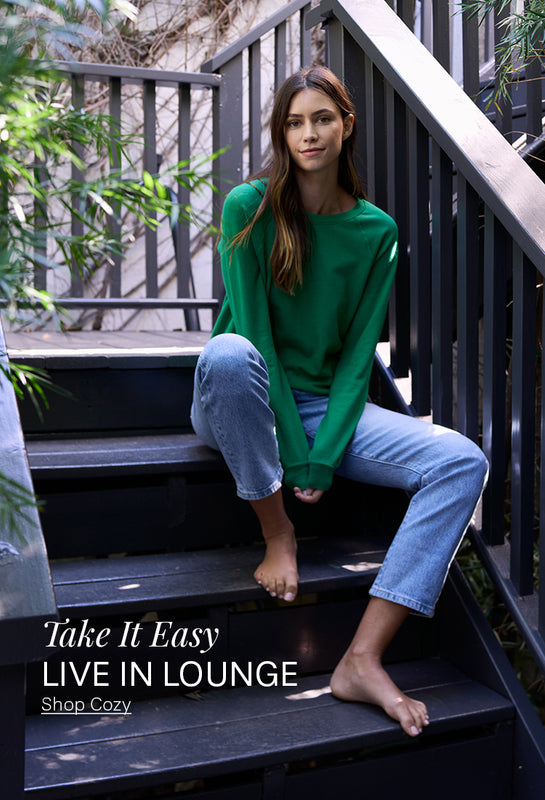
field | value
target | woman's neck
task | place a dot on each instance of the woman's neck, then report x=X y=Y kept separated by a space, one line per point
x=319 y=196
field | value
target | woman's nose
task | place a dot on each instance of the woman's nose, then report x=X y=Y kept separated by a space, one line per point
x=309 y=131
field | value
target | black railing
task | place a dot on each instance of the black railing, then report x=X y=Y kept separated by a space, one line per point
x=162 y=270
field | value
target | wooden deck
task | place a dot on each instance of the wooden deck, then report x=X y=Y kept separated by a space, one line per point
x=107 y=343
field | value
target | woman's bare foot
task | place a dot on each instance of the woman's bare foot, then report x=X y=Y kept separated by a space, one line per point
x=277 y=573
x=362 y=678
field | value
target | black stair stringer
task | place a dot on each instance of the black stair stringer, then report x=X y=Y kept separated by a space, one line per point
x=467 y=640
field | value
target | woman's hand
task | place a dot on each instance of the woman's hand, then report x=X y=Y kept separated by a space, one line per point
x=308 y=495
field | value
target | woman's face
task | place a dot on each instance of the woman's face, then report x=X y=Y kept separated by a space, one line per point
x=315 y=130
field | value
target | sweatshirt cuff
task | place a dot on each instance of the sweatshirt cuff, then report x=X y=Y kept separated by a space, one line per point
x=297 y=475
x=320 y=476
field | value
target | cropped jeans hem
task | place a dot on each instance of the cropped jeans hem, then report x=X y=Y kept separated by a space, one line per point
x=260 y=495
x=414 y=605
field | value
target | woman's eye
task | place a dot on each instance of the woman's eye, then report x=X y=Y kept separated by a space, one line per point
x=323 y=119
x=293 y=123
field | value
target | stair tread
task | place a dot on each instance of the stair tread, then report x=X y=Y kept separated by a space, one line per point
x=230 y=730
x=92 y=349
x=205 y=576
x=54 y=458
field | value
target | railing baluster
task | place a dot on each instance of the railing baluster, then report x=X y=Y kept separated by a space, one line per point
x=76 y=278
x=496 y=258
x=353 y=71
x=255 y=105
x=442 y=286
x=335 y=57
x=398 y=208
x=184 y=275
x=441 y=32
x=405 y=10
x=470 y=45
x=420 y=279
x=227 y=132
x=280 y=54
x=150 y=164
x=375 y=142
x=379 y=121
x=523 y=422
x=468 y=310
x=305 y=39
x=369 y=115
x=115 y=224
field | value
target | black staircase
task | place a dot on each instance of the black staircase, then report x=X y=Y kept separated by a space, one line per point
x=147 y=538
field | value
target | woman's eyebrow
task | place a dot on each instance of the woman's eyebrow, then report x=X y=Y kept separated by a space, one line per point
x=314 y=113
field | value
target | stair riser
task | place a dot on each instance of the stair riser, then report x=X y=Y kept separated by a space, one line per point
x=271 y=645
x=473 y=767
x=113 y=399
x=154 y=513
x=142 y=514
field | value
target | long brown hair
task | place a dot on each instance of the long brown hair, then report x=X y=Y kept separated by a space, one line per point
x=291 y=243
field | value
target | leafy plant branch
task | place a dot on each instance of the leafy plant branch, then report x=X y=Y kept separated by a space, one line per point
x=522 y=29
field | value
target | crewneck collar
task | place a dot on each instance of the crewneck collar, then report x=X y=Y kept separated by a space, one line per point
x=333 y=219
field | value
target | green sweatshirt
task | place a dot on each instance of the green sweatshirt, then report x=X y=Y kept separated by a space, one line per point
x=321 y=339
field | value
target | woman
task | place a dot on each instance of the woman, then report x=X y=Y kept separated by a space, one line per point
x=281 y=387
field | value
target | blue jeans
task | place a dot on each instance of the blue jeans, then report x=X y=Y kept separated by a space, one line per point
x=443 y=471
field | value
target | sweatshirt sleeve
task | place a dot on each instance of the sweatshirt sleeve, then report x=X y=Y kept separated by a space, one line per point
x=350 y=386
x=247 y=304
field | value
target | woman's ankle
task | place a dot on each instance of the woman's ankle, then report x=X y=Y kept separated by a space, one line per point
x=272 y=516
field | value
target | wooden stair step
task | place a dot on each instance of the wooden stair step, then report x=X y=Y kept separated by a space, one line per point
x=120 y=455
x=91 y=349
x=203 y=577
x=231 y=730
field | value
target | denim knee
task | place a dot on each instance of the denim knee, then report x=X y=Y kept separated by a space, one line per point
x=225 y=361
x=225 y=358
x=467 y=460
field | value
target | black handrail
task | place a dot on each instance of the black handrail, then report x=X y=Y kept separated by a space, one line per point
x=27 y=599
x=27 y=593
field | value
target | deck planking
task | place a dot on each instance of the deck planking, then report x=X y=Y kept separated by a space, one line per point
x=41 y=344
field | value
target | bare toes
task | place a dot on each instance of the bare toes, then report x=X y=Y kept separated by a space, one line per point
x=290 y=594
x=417 y=718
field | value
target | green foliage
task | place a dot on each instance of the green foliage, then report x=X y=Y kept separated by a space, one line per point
x=15 y=501
x=522 y=35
